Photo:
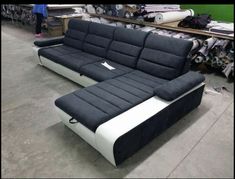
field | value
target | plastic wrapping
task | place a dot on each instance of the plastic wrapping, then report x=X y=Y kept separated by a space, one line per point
x=166 y=17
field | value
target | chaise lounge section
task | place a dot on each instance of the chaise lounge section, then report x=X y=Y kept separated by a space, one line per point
x=137 y=84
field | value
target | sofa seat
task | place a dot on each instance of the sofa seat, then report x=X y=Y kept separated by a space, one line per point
x=75 y=61
x=72 y=60
x=53 y=53
x=139 y=78
x=99 y=72
x=99 y=103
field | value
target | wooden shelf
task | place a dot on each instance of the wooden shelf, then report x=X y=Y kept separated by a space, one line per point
x=168 y=26
x=65 y=20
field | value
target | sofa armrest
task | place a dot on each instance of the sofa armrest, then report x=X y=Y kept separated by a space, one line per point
x=49 y=42
x=174 y=88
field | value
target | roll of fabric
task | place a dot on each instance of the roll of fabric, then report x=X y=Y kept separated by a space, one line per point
x=166 y=17
x=104 y=21
x=161 y=7
x=130 y=26
x=219 y=62
x=95 y=19
x=90 y=9
x=99 y=10
x=207 y=45
x=120 y=24
x=119 y=6
x=209 y=42
x=199 y=59
x=196 y=44
x=221 y=44
x=86 y=17
x=112 y=24
x=146 y=28
x=229 y=69
x=203 y=50
x=128 y=14
x=207 y=59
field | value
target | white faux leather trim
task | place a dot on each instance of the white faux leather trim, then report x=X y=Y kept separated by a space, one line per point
x=66 y=72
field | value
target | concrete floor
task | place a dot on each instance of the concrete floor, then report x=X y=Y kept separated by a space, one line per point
x=36 y=144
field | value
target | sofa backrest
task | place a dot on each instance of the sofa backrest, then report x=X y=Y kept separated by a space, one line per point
x=164 y=57
x=126 y=46
x=76 y=33
x=98 y=39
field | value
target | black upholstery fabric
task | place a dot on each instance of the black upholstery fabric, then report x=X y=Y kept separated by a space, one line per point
x=144 y=65
x=99 y=72
x=126 y=46
x=174 y=88
x=97 y=104
x=75 y=61
x=142 y=79
x=98 y=39
x=53 y=53
x=48 y=42
x=76 y=33
x=163 y=56
x=127 y=144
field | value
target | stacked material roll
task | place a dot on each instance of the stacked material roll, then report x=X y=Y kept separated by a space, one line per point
x=99 y=10
x=90 y=9
x=161 y=7
x=146 y=29
x=197 y=43
x=166 y=17
x=95 y=19
x=104 y=21
x=208 y=44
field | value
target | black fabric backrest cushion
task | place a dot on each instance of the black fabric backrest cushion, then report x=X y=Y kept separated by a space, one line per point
x=126 y=46
x=98 y=39
x=164 y=57
x=76 y=33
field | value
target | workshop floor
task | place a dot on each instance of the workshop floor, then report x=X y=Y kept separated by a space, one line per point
x=36 y=144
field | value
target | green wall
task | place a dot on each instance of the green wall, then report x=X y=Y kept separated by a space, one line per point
x=223 y=12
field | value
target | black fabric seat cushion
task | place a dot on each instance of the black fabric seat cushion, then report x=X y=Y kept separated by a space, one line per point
x=143 y=80
x=164 y=57
x=76 y=60
x=53 y=53
x=68 y=56
x=100 y=73
x=97 y=104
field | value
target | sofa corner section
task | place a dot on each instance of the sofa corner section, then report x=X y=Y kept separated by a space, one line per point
x=35 y=55
x=115 y=145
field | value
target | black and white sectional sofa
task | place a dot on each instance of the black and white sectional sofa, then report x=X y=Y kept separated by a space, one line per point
x=137 y=84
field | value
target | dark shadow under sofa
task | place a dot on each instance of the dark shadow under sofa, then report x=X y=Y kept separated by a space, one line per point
x=137 y=84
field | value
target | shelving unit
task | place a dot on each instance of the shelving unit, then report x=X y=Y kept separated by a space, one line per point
x=168 y=26
x=65 y=20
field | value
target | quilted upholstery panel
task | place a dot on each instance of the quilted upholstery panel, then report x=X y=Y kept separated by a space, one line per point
x=53 y=53
x=174 y=88
x=99 y=72
x=99 y=103
x=126 y=47
x=76 y=60
x=143 y=79
x=76 y=33
x=163 y=56
x=98 y=39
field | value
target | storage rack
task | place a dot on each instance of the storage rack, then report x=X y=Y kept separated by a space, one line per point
x=168 y=26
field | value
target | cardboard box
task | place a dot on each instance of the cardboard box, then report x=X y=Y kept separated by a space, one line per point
x=55 y=28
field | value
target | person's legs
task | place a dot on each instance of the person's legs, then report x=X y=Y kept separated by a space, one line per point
x=38 y=23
